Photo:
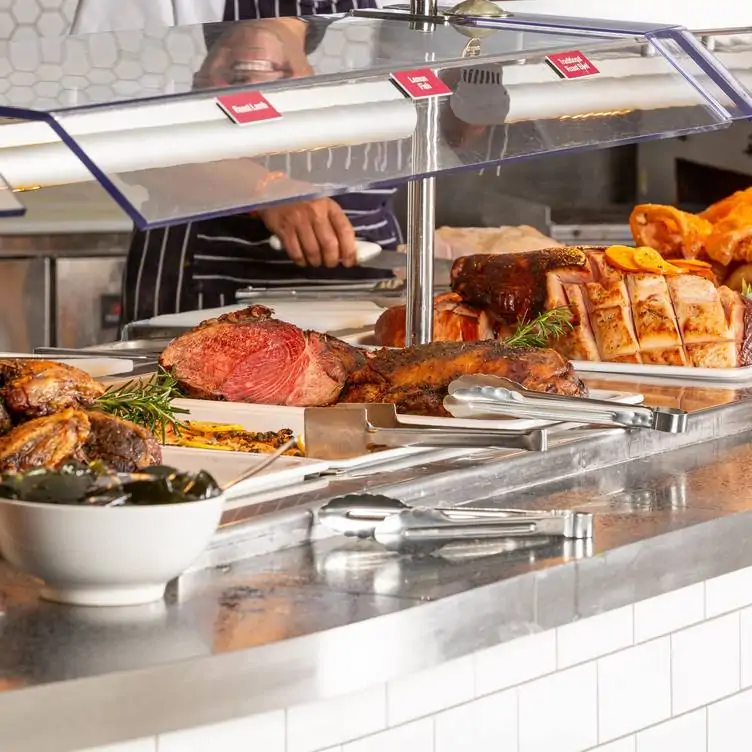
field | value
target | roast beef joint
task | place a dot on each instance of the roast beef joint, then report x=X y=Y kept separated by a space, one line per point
x=248 y=356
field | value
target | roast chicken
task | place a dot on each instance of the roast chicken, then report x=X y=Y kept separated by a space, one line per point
x=31 y=388
x=47 y=418
x=47 y=441
x=122 y=445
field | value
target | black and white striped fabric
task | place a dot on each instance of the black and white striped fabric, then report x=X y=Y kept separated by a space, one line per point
x=202 y=264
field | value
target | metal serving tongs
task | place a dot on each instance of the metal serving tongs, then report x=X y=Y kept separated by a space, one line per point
x=399 y=527
x=491 y=396
x=351 y=430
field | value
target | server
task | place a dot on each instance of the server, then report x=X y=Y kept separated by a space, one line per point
x=202 y=264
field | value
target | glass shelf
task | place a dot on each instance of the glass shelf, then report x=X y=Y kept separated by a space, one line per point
x=137 y=111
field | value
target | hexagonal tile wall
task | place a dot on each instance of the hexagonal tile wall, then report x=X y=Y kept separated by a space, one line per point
x=39 y=65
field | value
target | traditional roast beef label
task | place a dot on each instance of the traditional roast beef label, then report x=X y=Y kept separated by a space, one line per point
x=571 y=64
x=247 y=107
x=420 y=84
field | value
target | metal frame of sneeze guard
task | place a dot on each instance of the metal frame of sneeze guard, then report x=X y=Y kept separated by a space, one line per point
x=88 y=142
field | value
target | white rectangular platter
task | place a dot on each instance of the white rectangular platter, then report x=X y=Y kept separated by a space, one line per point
x=97 y=367
x=274 y=418
x=226 y=466
x=706 y=376
x=321 y=315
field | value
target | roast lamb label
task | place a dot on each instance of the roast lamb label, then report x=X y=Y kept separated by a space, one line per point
x=247 y=107
x=571 y=65
x=420 y=84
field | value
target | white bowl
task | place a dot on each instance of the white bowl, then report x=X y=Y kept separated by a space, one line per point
x=99 y=556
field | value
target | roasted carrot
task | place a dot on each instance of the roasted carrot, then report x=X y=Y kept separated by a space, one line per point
x=622 y=257
x=651 y=262
x=690 y=264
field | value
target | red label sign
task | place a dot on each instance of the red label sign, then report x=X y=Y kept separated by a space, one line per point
x=571 y=64
x=247 y=107
x=420 y=84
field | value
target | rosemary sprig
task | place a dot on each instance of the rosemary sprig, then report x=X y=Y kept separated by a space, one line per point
x=147 y=403
x=538 y=332
x=746 y=290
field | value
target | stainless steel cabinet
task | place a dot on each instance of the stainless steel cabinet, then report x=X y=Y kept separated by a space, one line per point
x=25 y=297
x=85 y=291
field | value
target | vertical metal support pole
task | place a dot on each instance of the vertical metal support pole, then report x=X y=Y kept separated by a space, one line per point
x=421 y=209
x=421 y=195
x=423 y=8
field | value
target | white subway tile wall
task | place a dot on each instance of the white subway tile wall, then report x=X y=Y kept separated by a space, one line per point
x=730 y=724
x=515 y=662
x=687 y=733
x=667 y=613
x=625 y=744
x=137 y=745
x=729 y=592
x=485 y=725
x=318 y=725
x=452 y=683
x=100 y=67
x=676 y=689
x=591 y=638
x=549 y=722
x=412 y=737
x=265 y=731
x=745 y=641
x=705 y=663
x=634 y=689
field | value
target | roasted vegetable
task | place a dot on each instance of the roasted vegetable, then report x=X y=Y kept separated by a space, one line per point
x=92 y=485
x=622 y=258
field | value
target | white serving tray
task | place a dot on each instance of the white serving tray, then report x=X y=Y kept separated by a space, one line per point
x=225 y=466
x=367 y=341
x=97 y=367
x=274 y=418
x=320 y=315
x=680 y=373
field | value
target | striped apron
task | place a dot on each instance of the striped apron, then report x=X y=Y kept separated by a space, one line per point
x=202 y=264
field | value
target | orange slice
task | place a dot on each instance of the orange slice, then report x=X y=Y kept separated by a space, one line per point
x=621 y=257
x=690 y=264
x=652 y=262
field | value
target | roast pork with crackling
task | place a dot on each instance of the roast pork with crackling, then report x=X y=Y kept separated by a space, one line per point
x=453 y=321
x=616 y=316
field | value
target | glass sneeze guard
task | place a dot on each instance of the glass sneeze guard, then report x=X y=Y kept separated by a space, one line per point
x=141 y=117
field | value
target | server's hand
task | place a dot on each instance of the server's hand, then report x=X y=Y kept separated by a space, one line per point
x=313 y=232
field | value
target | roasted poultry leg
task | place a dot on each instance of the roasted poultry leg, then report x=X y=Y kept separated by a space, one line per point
x=47 y=441
x=32 y=388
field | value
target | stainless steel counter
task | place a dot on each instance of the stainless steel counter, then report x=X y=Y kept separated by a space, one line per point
x=331 y=616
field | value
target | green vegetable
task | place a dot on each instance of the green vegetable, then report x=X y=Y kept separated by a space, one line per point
x=147 y=403
x=87 y=485
x=539 y=331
